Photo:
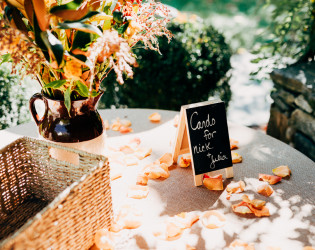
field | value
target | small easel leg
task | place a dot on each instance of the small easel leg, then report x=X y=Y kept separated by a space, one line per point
x=229 y=172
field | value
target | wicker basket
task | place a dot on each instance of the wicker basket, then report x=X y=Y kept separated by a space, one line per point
x=50 y=204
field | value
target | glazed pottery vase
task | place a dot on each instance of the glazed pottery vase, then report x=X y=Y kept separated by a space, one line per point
x=81 y=128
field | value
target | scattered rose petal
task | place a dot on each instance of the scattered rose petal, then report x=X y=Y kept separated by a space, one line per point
x=125 y=123
x=271 y=179
x=155 y=170
x=125 y=130
x=213 y=182
x=213 y=219
x=115 y=125
x=128 y=217
x=248 y=206
x=241 y=208
x=142 y=179
x=104 y=239
x=130 y=160
x=308 y=248
x=135 y=140
x=186 y=219
x=141 y=153
x=138 y=192
x=185 y=161
x=175 y=121
x=282 y=171
x=236 y=158
x=126 y=149
x=235 y=187
x=173 y=228
x=233 y=144
x=167 y=159
x=155 y=117
x=116 y=157
x=172 y=231
x=258 y=204
x=115 y=176
x=265 y=189
x=241 y=245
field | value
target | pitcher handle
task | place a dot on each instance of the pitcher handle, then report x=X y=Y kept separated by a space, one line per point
x=35 y=97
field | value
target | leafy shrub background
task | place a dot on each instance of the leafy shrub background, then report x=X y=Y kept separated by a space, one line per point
x=190 y=69
x=14 y=97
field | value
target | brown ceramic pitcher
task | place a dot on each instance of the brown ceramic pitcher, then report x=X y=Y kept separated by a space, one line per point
x=82 y=123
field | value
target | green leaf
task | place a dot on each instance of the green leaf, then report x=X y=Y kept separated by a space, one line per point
x=82 y=89
x=53 y=44
x=5 y=58
x=73 y=5
x=118 y=16
x=80 y=26
x=67 y=97
x=123 y=28
x=81 y=39
x=55 y=84
x=94 y=93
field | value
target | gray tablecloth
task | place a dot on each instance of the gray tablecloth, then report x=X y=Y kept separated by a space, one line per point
x=291 y=224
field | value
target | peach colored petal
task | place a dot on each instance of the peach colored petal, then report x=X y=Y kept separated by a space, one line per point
x=115 y=176
x=167 y=159
x=213 y=219
x=241 y=245
x=257 y=204
x=185 y=161
x=265 y=189
x=138 y=192
x=128 y=217
x=104 y=239
x=155 y=171
x=125 y=122
x=213 y=182
x=236 y=158
x=308 y=248
x=126 y=149
x=141 y=153
x=282 y=171
x=155 y=117
x=233 y=144
x=142 y=179
x=186 y=219
x=115 y=125
x=264 y=211
x=247 y=206
x=173 y=231
x=135 y=140
x=130 y=160
x=271 y=179
x=235 y=187
x=241 y=208
x=125 y=130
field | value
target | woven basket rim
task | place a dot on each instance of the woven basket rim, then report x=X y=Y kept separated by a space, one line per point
x=61 y=195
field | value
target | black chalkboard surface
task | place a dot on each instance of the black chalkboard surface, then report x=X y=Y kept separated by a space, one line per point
x=208 y=137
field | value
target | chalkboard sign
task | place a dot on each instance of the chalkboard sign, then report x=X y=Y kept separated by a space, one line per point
x=204 y=126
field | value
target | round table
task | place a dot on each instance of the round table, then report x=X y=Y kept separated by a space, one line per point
x=291 y=224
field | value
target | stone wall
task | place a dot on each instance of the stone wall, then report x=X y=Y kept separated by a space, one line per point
x=292 y=115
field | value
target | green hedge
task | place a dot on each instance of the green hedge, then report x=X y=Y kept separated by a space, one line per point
x=191 y=68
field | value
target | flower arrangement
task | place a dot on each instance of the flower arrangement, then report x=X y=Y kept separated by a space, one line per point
x=71 y=46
